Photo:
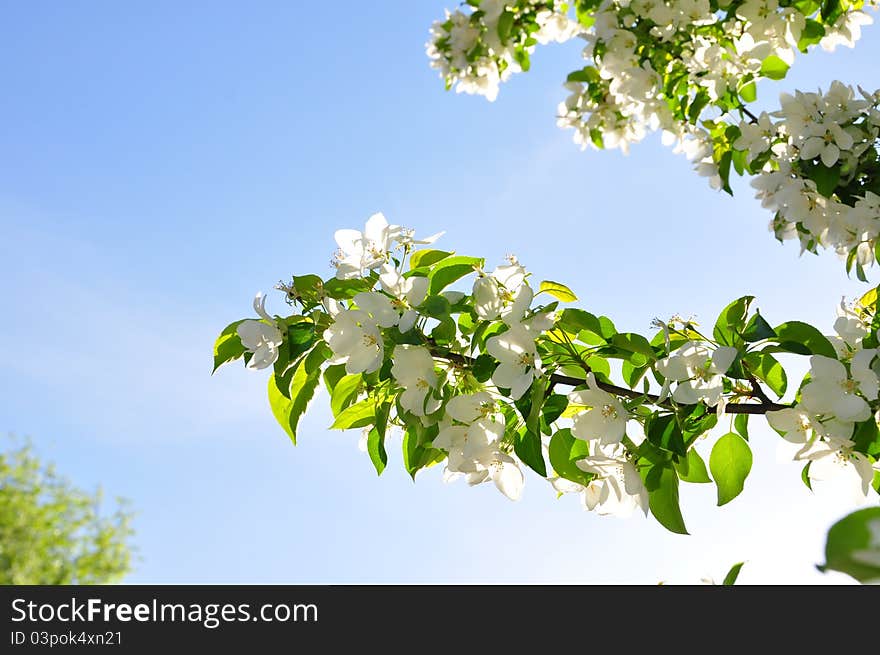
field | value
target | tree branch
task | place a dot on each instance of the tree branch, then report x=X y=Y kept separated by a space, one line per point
x=766 y=405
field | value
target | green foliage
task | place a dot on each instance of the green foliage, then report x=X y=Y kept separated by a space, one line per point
x=662 y=484
x=52 y=533
x=732 y=574
x=853 y=545
x=730 y=463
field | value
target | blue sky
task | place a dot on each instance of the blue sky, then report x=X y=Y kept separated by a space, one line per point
x=162 y=162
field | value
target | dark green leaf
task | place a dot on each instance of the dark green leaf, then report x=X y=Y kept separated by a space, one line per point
x=757 y=329
x=435 y=307
x=564 y=450
x=732 y=575
x=662 y=484
x=527 y=447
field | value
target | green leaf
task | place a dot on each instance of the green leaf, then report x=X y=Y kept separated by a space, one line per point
x=444 y=332
x=505 y=25
x=635 y=343
x=344 y=393
x=484 y=367
x=757 y=329
x=741 y=425
x=345 y=289
x=732 y=574
x=357 y=416
x=692 y=468
x=558 y=290
x=376 y=439
x=422 y=258
x=765 y=367
x=228 y=346
x=810 y=340
x=527 y=447
x=586 y=75
x=811 y=34
x=435 y=307
x=867 y=437
x=730 y=463
x=831 y=11
x=376 y=450
x=826 y=179
x=564 y=450
x=575 y=321
x=553 y=407
x=289 y=408
x=774 y=68
x=663 y=431
x=853 y=545
x=749 y=92
x=731 y=322
x=662 y=484
x=332 y=376
x=451 y=269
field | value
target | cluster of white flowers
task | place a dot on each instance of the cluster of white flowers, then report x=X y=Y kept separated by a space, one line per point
x=626 y=97
x=471 y=432
x=471 y=429
x=835 y=398
x=616 y=488
x=814 y=179
x=472 y=53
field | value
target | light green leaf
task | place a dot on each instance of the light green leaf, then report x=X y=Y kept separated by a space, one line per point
x=344 y=393
x=774 y=68
x=802 y=338
x=288 y=411
x=692 y=468
x=422 y=258
x=357 y=416
x=557 y=290
x=730 y=463
x=228 y=346
x=451 y=269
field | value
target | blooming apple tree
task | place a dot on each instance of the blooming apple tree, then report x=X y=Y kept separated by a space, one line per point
x=489 y=371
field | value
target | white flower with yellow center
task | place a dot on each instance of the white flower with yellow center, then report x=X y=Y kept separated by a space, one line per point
x=617 y=488
x=832 y=392
x=606 y=419
x=698 y=372
x=355 y=341
x=408 y=292
x=413 y=368
x=519 y=361
x=364 y=250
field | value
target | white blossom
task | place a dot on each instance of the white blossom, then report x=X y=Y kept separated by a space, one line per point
x=260 y=338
